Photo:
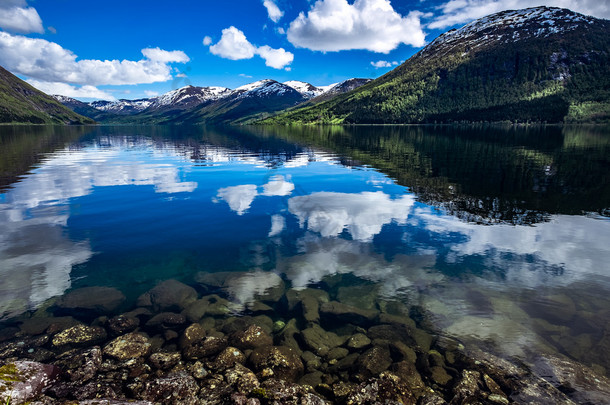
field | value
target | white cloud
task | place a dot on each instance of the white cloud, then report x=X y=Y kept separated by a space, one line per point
x=207 y=40
x=336 y=25
x=281 y=31
x=273 y=10
x=68 y=90
x=275 y=58
x=463 y=11
x=42 y=60
x=160 y=55
x=151 y=93
x=15 y=16
x=234 y=45
x=363 y=214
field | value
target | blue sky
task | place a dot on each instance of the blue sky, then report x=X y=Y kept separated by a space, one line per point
x=135 y=48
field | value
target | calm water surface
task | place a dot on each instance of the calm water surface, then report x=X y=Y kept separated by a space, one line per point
x=499 y=237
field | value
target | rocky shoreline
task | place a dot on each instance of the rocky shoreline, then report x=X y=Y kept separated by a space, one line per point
x=181 y=345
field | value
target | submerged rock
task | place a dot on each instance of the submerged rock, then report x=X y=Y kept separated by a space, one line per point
x=95 y=300
x=130 y=346
x=358 y=341
x=164 y=361
x=179 y=389
x=81 y=366
x=321 y=341
x=374 y=361
x=80 y=335
x=228 y=358
x=194 y=333
x=24 y=381
x=39 y=325
x=207 y=347
x=278 y=361
x=166 y=320
x=386 y=389
x=282 y=392
x=122 y=324
x=169 y=295
x=337 y=312
x=254 y=336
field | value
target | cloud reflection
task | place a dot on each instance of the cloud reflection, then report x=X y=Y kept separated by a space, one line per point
x=240 y=197
x=362 y=214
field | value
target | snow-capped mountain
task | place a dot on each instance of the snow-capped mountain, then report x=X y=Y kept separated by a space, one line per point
x=266 y=88
x=189 y=96
x=306 y=89
x=122 y=107
x=508 y=26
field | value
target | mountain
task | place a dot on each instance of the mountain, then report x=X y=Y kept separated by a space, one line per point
x=122 y=107
x=539 y=64
x=84 y=109
x=211 y=105
x=22 y=103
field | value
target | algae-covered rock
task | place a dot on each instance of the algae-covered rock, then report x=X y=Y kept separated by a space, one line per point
x=80 y=335
x=164 y=361
x=193 y=333
x=283 y=362
x=95 y=300
x=178 y=389
x=166 y=320
x=252 y=337
x=557 y=308
x=277 y=391
x=386 y=389
x=242 y=379
x=122 y=324
x=207 y=347
x=228 y=358
x=81 y=366
x=24 y=381
x=130 y=346
x=359 y=296
x=169 y=295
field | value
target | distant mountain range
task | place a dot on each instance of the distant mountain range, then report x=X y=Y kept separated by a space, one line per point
x=211 y=105
x=22 y=103
x=539 y=64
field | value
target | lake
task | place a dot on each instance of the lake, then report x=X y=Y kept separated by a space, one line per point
x=497 y=238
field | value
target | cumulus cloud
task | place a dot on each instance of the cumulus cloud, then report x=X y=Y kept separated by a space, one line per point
x=336 y=25
x=462 y=11
x=151 y=93
x=16 y=16
x=275 y=58
x=207 y=40
x=234 y=45
x=47 y=61
x=383 y=64
x=273 y=10
x=68 y=90
x=160 y=55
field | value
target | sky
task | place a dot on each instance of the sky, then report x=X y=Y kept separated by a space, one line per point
x=135 y=49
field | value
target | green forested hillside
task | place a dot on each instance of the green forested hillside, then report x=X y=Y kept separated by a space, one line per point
x=490 y=70
x=22 y=103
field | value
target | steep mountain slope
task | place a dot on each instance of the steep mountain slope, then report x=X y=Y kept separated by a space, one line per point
x=538 y=64
x=84 y=109
x=22 y=103
x=339 y=88
x=306 y=89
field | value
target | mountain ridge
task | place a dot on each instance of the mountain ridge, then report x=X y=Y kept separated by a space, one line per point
x=539 y=64
x=22 y=103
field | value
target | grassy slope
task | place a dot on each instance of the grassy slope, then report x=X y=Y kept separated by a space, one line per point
x=509 y=82
x=22 y=103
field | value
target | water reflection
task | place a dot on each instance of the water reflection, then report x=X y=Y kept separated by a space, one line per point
x=373 y=216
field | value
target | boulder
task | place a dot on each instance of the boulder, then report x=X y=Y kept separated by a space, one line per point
x=386 y=389
x=169 y=295
x=80 y=335
x=374 y=361
x=282 y=392
x=193 y=333
x=130 y=346
x=91 y=301
x=252 y=337
x=242 y=379
x=164 y=361
x=24 y=381
x=358 y=341
x=210 y=346
x=336 y=312
x=279 y=361
x=122 y=324
x=179 y=389
x=321 y=341
x=166 y=320
x=228 y=358
x=81 y=366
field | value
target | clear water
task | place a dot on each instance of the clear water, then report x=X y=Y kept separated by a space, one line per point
x=495 y=236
